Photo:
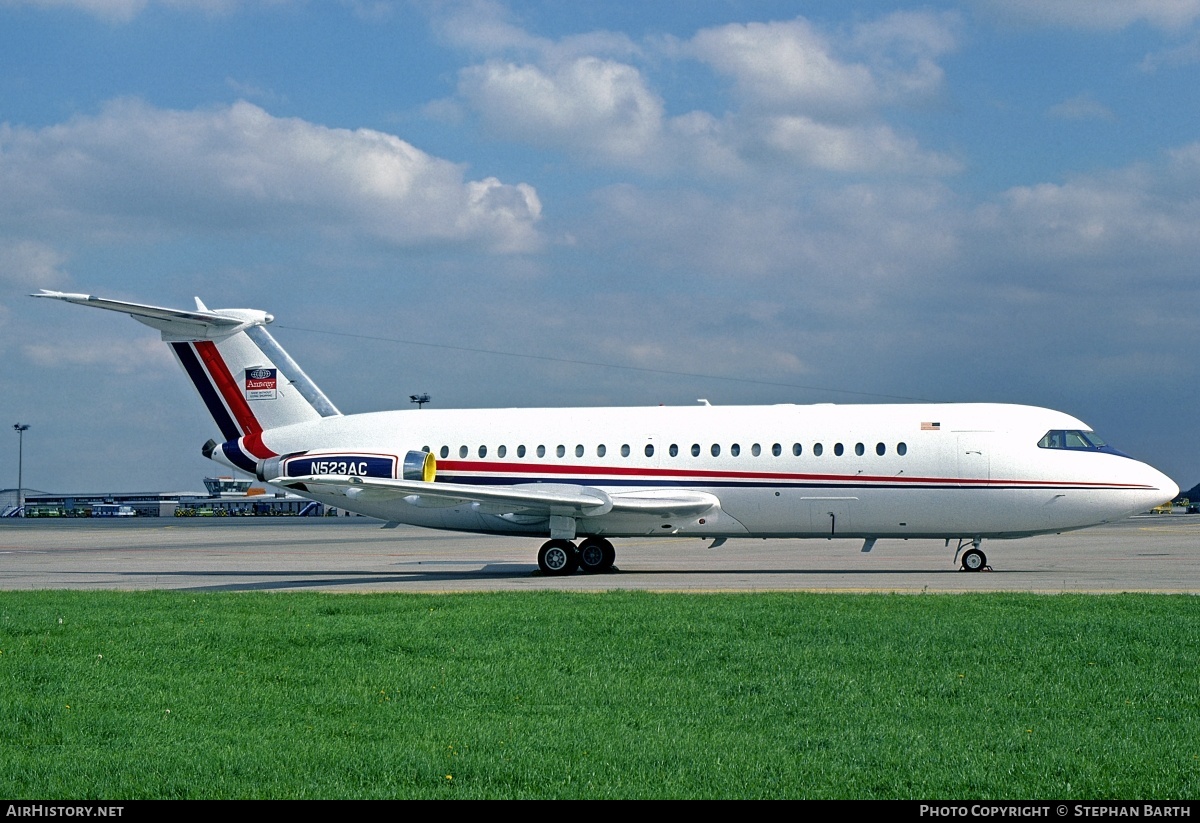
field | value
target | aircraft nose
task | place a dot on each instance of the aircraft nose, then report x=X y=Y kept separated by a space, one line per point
x=1167 y=489
x=1171 y=488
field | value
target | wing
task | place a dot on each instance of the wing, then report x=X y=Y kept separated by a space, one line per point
x=532 y=498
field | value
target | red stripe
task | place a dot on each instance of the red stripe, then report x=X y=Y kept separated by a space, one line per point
x=253 y=443
x=493 y=467
x=228 y=387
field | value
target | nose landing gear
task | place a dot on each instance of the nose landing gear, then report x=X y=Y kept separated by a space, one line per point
x=973 y=560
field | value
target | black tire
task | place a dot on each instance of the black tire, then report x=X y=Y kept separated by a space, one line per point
x=973 y=560
x=557 y=558
x=596 y=555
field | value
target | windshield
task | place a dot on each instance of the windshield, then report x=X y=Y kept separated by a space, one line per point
x=1073 y=439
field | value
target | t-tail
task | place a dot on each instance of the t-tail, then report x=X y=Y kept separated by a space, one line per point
x=247 y=381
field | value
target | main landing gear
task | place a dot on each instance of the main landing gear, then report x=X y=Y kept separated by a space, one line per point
x=595 y=555
x=973 y=560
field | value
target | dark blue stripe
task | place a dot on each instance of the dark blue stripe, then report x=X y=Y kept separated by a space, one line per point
x=238 y=457
x=191 y=364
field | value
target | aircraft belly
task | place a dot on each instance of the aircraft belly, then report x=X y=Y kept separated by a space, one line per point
x=804 y=513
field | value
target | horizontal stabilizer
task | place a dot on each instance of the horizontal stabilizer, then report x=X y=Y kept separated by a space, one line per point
x=176 y=325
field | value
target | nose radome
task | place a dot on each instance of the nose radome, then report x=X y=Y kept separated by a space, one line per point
x=1167 y=488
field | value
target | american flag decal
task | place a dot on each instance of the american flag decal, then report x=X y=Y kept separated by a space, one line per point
x=931 y=427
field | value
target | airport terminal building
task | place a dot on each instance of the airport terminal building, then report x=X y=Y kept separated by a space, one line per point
x=223 y=497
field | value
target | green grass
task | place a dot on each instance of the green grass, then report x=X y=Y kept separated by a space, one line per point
x=621 y=695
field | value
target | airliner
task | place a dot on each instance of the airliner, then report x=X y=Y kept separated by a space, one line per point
x=579 y=477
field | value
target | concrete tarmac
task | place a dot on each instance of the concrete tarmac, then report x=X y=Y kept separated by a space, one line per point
x=1150 y=553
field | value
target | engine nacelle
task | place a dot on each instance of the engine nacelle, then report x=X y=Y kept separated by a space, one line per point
x=416 y=465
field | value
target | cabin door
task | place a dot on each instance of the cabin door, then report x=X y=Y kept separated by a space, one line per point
x=974 y=462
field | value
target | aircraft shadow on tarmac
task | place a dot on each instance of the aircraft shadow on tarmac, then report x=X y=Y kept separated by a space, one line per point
x=293 y=580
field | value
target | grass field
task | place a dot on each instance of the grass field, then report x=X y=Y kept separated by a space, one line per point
x=619 y=695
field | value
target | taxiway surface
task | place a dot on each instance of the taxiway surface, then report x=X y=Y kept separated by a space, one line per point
x=1153 y=553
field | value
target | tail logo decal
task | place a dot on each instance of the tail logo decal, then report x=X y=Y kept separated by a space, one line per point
x=261 y=384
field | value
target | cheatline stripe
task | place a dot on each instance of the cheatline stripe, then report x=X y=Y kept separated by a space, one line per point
x=208 y=394
x=833 y=485
x=237 y=457
x=498 y=473
x=228 y=387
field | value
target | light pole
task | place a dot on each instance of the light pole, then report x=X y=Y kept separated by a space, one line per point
x=20 y=429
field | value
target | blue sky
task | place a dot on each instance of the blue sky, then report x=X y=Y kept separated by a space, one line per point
x=553 y=204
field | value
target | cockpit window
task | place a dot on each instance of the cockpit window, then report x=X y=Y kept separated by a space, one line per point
x=1071 y=439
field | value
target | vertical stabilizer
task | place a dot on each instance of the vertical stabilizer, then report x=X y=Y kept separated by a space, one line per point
x=247 y=381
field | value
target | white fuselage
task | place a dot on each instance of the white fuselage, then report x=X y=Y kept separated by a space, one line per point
x=884 y=471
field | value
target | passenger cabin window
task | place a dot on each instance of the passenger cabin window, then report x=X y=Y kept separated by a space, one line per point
x=561 y=450
x=798 y=450
x=520 y=451
x=695 y=450
x=777 y=449
x=445 y=452
x=880 y=449
x=1071 y=439
x=901 y=449
x=625 y=450
x=462 y=451
x=818 y=449
x=579 y=451
x=483 y=451
x=501 y=451
x=674 y=450
x=735 y=450
x=541 y=451
x=859 y=449
x=601 y=450
x=716 y=450
x=649 y=450
x=756 y=450
x=838 y=449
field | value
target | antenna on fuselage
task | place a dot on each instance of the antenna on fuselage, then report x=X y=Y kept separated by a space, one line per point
x=419 y=399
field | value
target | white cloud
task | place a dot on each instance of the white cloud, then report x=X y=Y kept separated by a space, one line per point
x=30 y=264
x=785 y=65
x=836 y=148
x=1082 y=107
x=120 y=355
x=799 y=106
x=1128 y=223
x=491 y=29
x=1171 y=15
x=794 y=67
x=596 y=106
x=133 y=167
x=124 y=10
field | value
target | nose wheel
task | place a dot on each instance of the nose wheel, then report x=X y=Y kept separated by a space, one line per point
x=973 y=560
